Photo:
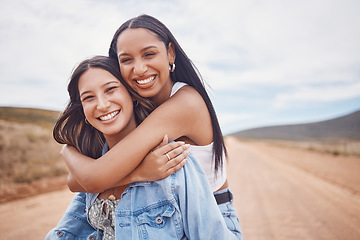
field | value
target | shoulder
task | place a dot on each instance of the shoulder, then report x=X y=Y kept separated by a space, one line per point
x=187 y=90
x=189 y=98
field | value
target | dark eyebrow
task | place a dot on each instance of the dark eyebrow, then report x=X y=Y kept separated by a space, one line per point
x=142 y=50
x=111 y=82
x=84 y=93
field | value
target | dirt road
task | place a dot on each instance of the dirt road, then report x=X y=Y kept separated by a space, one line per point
x=280 y=193
x=287 y=193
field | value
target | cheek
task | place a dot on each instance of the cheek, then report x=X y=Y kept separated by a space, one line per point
x=163 y=66
x=128 y=103
x=128 y=108
x=125 y=72
x=125 y=99
x=87 y=110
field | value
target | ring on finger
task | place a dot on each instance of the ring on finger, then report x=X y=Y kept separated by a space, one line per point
x=168 y=157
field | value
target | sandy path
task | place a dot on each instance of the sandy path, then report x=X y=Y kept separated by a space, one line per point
x=280 y=193
x=33 y=217
x=285 y=193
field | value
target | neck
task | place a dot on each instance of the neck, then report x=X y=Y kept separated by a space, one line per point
x=164 y=95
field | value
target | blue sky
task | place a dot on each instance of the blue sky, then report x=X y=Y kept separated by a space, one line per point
x=267 y=62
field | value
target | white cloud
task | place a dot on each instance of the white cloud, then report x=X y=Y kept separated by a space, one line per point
x=303 y=47
x=279 y=43
x=232 y=120
x=307 y=95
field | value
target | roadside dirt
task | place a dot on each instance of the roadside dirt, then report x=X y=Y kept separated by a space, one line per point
x=280 y=193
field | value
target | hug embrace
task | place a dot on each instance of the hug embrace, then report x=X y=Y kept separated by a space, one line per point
x=143 y=145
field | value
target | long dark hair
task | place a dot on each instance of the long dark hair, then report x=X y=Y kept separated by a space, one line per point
x=71 y=127
x=185 y=72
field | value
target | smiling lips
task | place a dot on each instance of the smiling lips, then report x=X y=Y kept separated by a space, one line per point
x=145 y=81
x=109 y=116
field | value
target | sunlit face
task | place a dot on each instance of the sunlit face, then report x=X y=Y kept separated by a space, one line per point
x=144 y=63
x=106 y=102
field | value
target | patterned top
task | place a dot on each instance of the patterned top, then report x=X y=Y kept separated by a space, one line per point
x=102 y=217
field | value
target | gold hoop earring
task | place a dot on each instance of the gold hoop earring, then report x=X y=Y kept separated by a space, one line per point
x=172 y=67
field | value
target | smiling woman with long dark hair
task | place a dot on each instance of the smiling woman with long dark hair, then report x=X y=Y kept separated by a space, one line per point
x=154 y=65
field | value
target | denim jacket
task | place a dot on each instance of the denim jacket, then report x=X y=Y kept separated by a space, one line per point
x=181 y=206
x=74 y=225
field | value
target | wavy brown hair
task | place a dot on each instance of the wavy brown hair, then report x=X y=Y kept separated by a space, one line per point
x=71 y=128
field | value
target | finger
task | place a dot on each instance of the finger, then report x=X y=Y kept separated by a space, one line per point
x=168 y=157
x=176 y=167
x=176 y=151
x=164 y=141
x=168 y=147
x=177 y=160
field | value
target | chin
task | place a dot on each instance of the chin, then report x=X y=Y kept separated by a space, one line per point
x=146 y=94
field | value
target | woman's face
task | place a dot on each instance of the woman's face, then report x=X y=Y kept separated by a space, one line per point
x=144 y=63
x=106 y=102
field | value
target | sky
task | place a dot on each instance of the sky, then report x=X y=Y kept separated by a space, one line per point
x=265 y=62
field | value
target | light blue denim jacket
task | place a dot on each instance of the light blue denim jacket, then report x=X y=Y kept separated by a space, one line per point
x=181 y=206
x=74 y=225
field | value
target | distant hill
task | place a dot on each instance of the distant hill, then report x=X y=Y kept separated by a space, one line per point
x=345 y=127
x=45 y=118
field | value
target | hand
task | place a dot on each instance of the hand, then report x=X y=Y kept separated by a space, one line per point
x=163 y=142
x=157 y=165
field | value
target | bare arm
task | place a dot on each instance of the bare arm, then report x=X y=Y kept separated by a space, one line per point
x=155 y=166
x=184 y=114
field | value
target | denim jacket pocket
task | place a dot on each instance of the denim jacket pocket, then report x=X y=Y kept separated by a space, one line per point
x=156 y=217
x=158 y=221
x=63 y=234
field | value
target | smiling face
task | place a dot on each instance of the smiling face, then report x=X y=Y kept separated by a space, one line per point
x=144 y=63
x=106 y=103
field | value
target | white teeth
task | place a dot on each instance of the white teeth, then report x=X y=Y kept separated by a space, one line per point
x=145 y=81
x=109 y=116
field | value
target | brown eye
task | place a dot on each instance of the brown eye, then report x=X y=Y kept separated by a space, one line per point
x=124 y=60
x=87 y=98
x=149 y=54
x=110 y=89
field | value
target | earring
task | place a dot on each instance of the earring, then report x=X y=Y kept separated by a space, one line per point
x=86 y=121
x=172 y=67
x=136 y=103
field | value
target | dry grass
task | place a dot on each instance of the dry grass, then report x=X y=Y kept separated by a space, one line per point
x=342 y=147
x=30 y=160
x=27 y=153
x=40 y=117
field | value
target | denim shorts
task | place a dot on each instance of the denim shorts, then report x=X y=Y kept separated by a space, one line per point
x=230 y=216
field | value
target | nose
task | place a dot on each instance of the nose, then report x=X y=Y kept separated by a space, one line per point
x=140 y=68
x=103 y=105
